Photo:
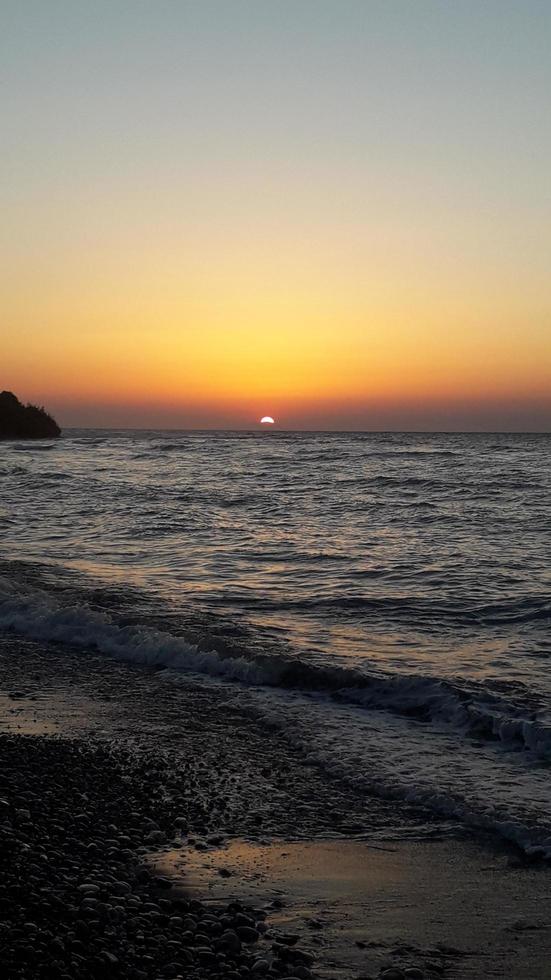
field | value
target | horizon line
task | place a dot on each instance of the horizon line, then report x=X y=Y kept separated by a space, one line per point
x=273 y=430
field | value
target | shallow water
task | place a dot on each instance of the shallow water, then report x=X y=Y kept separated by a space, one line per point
x=383 y=599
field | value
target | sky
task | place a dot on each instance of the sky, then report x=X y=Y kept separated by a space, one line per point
x=334 y=212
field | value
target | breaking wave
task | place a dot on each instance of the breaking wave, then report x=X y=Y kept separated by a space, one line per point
x=470 y=710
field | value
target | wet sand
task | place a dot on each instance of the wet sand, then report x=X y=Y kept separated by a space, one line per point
x=441 y=905
x=244 y=817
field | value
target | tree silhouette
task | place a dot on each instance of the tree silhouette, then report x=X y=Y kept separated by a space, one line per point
x=19 y=421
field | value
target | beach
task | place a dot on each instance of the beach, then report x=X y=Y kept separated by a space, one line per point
x=153 y=830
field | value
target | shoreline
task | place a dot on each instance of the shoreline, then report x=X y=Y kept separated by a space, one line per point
x=175 y=771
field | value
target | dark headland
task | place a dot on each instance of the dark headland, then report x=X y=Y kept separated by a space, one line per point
x=18 y=421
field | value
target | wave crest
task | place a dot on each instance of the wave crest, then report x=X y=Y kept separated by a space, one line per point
x=468 y=711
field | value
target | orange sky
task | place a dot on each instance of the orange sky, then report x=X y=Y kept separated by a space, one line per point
x=341 y=223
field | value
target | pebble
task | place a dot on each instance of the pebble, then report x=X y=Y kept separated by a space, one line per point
x=156 y=837
x=260 y=966
x=247 y=934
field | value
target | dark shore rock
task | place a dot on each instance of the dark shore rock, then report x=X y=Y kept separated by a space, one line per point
x=18 y=421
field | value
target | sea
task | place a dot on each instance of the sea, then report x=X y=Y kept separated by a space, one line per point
x=383 y=600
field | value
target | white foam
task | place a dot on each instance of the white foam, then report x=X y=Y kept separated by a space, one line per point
x=472 y=713
x=395 y=758
x=41 y=617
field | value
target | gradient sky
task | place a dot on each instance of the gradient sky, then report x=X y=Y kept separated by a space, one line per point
x=335 y=212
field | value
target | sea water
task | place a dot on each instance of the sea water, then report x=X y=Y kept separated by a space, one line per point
x=382 y=599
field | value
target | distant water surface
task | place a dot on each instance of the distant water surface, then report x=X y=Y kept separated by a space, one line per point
x=385 y=598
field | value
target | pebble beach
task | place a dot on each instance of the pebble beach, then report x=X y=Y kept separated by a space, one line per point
x=91 y=802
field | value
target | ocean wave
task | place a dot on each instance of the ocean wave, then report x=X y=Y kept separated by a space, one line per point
x=54 y=476
x=402 y=481
x=411 y=453
x=238 y=500
x=416 y=610
x=27 y=447
x=42 y=617
x=168 y=447
x=13 y=470
x=468 y=711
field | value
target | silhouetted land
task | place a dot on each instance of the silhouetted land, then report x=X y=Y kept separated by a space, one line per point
x=18 y=421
